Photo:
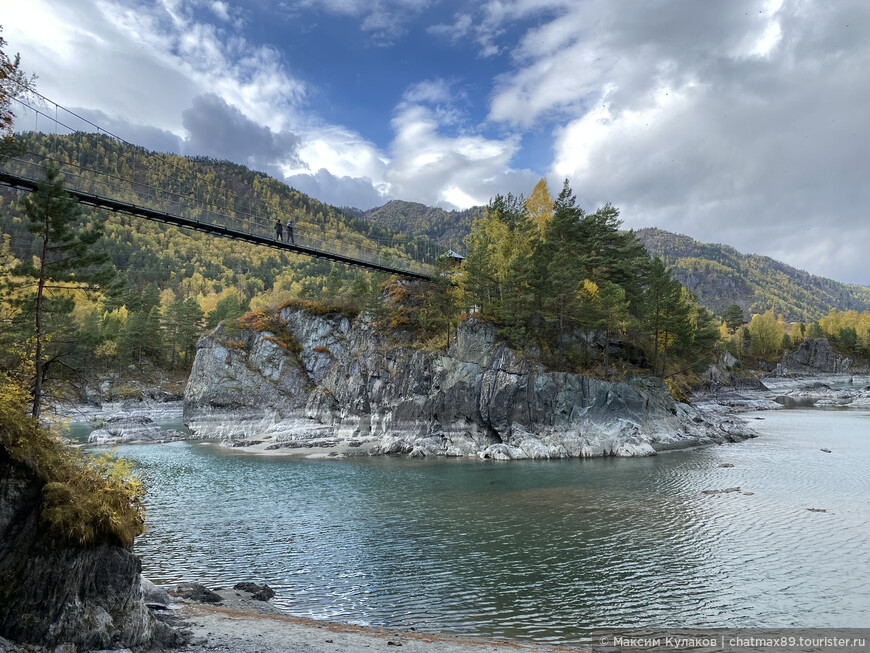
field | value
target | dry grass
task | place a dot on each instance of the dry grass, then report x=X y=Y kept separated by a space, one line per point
x=85 y=500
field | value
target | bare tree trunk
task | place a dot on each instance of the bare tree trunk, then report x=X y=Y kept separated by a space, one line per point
x=37 y=362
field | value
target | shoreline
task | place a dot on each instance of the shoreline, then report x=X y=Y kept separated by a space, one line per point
x=243 y=625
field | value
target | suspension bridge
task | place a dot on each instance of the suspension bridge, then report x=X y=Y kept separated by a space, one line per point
x=203 y=205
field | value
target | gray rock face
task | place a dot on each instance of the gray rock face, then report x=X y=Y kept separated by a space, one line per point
x=122 y=429
x=811 y=357
x=480 y=398
x=53 y=593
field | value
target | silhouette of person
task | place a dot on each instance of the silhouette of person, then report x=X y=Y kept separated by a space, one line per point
x=279 y=230
x=290 y=231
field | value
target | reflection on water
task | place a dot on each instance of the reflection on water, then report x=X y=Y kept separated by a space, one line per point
x=533 y=549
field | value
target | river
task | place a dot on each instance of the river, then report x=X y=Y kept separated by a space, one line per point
x=542 y=550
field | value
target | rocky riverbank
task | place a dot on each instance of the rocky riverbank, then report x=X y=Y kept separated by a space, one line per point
x=240 y=619
x=58 y=592
x=326 y=384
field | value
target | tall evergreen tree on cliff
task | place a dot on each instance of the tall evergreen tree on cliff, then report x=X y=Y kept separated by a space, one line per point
x=666 y=314
x=66 y=263
x=559 y=266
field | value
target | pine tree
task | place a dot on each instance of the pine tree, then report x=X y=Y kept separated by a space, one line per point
x=359 y=290
x=666 y=315
x=227 y=308
x=333 y=284
x=733 y=317
x=150 y=297
x=605 y=309
x=66 y=262
x=131 y=342
x=557 y=267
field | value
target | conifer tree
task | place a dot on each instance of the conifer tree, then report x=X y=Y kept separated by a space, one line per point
x=66 y=262
x=733 y=317
x=605 y=309
x=558 y=269
x=666 y=314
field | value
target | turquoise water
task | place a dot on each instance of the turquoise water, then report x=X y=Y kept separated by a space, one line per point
x=543 y=550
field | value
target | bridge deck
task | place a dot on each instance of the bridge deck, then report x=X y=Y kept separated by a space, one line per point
x=89 y=199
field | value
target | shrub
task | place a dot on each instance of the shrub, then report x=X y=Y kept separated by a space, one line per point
x=85 y=500
x=345 y=308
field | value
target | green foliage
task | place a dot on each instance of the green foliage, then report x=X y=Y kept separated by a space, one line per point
x=666 y=314
x=733 y=317
x=67 y=262
x=441 y=301
x=227 y=308
x=766 y=333
x=547 y=277
x=445 y=227
x=170 y=269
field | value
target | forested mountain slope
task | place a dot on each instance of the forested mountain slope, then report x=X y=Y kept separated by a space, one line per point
x=720 y=275
x=207 y=268
x=196 y=265
x=448 y=228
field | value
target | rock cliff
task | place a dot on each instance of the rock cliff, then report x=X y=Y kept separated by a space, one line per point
x=813 y=356
x=52 y=592
x=343 y=381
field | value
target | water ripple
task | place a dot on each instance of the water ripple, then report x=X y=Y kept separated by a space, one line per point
x=545 y=552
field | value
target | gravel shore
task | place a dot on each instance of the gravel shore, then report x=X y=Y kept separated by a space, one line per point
x=243 y=625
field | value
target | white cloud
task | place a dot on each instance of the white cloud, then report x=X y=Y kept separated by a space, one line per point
x=356 y=192
x=453 y=171
x=757 y=149
x=460 y=28
x=429 y=90
x=221 y=10
x=383 y=19
x=739 y=122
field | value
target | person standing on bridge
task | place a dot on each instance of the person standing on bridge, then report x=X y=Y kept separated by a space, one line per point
x=279 y=230
x=290 y=232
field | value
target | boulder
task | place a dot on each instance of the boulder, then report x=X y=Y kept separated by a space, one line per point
x=197 y=592
x=124 y=428
x=258 y=592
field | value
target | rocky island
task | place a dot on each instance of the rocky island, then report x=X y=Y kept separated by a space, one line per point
x=324 y=383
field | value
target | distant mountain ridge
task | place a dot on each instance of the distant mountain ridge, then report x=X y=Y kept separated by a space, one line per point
x=447 y=228
x=719 y=275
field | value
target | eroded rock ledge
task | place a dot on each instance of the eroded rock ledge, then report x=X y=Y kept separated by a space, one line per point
x=342 y=381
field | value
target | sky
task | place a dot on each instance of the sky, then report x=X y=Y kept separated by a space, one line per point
x=743 y=122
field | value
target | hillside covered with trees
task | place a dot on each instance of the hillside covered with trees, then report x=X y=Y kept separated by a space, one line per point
x=171 y=284
x=448 y=228
x=719 y=275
